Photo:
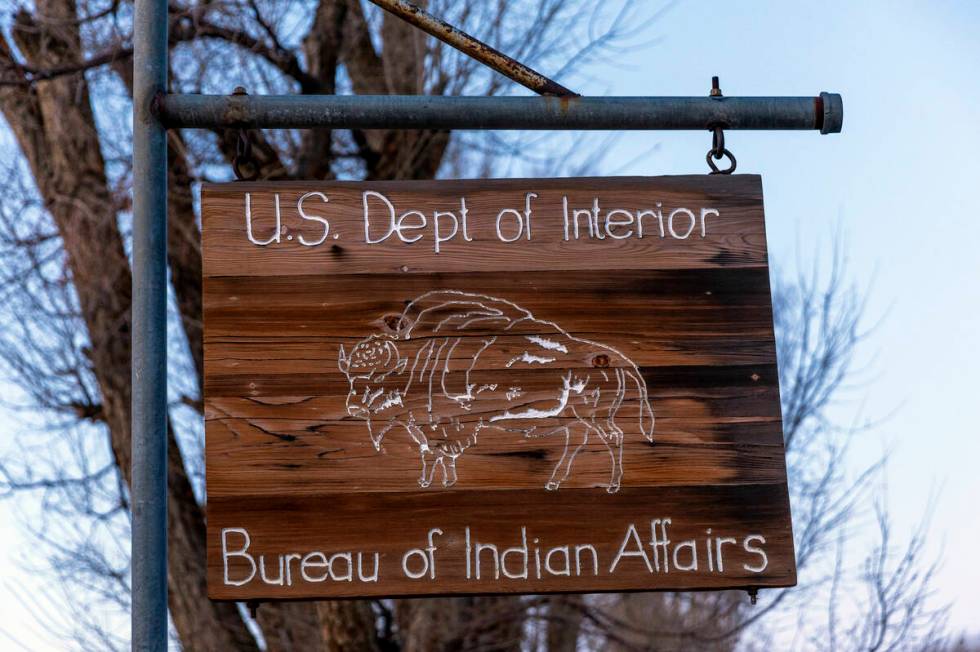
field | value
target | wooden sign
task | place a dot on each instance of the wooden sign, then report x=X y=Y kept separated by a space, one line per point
x=507 y=386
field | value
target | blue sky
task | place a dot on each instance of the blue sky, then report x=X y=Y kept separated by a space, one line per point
x=898 y=186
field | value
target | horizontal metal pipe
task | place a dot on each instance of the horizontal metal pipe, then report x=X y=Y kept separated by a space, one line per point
x=824 y=113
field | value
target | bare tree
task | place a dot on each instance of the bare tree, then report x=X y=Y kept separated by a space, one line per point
x=65 y=88
x=64 y=82
x=896 y=611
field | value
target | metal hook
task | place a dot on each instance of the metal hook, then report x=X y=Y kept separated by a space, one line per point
x=718 y=142
x=243 y=151
x=718 y=150
x=714 y=167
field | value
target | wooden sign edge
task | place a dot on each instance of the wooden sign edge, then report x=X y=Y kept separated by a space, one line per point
x=408 y=184
x=791 y=581
x=753 y=181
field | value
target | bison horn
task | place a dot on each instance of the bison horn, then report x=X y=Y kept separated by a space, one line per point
x=342 y=360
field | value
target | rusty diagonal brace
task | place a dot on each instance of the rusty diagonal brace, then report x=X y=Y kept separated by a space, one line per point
x=471 y=47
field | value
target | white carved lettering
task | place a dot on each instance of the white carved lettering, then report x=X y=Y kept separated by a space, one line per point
x=313 y=218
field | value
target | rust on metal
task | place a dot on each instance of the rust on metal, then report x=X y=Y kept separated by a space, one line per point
x=715 y=87
x=565 y=101
x=156 y=108
x=234 y=113
x=472 y=47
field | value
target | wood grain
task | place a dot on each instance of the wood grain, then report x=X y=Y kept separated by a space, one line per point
x=289 y=462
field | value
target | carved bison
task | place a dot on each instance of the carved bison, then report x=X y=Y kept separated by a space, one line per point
x=455 y=364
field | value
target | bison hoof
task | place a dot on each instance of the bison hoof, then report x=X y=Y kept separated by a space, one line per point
x=424 y=483
x=613 y=488
x=551 y=486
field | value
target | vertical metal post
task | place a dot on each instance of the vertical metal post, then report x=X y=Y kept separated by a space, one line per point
x=149 y=407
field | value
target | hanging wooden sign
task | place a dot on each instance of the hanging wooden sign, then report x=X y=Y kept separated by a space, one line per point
x=504 y=386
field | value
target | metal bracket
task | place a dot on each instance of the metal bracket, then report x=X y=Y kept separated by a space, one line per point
x=718 y=150
x=243 y=149
x=474 y=48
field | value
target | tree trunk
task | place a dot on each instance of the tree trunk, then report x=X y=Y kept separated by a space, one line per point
x=184 y=251
x=70 y=174
x=348 y=626
x=287 y=627
x=564 y=622
x=492 y=624
x=428 y=624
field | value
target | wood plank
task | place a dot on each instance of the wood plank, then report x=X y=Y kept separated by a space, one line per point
x=344 y=306
x=339 y=523
x=312 y=457
x=733 y=238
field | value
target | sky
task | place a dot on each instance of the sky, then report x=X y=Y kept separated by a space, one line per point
x=896 y=188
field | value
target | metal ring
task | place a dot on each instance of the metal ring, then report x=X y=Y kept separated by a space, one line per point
x=243 y=147
x=718 y=141
x=236 y=165
x=714 y=168
x=243 y=156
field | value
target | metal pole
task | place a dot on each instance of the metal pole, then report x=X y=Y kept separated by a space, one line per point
x=149 y=406
x=824 y=113
x=475 y=48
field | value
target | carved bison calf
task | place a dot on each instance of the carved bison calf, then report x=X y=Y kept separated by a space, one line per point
x=456 y=364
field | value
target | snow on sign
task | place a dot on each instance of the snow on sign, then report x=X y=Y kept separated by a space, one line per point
x=493 y=386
